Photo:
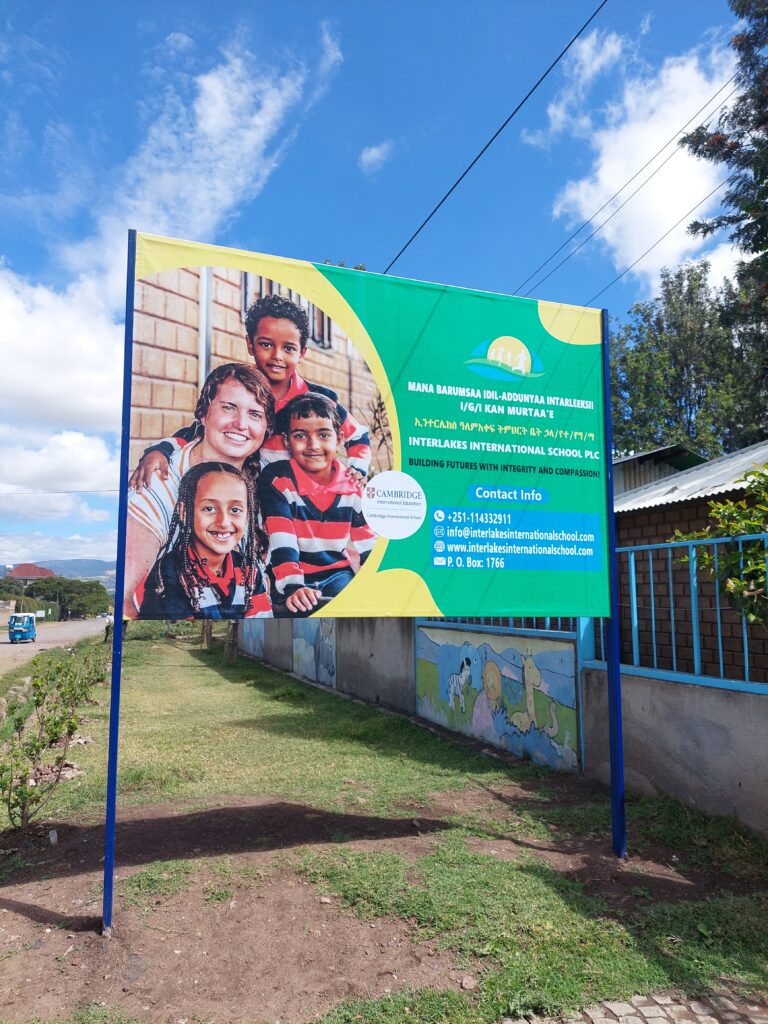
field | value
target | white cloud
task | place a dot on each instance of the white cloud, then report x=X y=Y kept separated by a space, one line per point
x=650 y=109
x=209 y=149
x=41 y=475
x=331 y=55
x=36 y=547
x=61 y=355
x=373 y=158
x=590 y=57
x=178 y=42
x=200 y=161
x=65 y=461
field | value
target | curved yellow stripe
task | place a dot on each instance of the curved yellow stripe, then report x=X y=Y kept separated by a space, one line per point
x=575 y=325
x=154 y=254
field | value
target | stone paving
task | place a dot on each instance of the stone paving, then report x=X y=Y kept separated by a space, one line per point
x=724 y=1008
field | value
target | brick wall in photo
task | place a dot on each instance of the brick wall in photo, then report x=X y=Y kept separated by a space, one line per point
x=166 y=364
x=165 y=361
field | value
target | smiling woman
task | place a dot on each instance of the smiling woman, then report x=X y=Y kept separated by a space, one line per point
x=234 y=413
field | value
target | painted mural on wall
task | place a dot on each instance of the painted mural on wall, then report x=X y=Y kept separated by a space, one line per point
x=314 y=649
x=251 y=637
x=514 y=692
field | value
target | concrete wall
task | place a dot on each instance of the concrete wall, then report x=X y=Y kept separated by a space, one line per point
x=374 y=660
x=704 y=746
x=278 y=643
x=373 y=657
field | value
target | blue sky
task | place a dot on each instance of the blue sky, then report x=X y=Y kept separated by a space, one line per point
x=315 y=131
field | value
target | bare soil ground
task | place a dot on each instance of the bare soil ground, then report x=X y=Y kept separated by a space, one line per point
x=256 y=942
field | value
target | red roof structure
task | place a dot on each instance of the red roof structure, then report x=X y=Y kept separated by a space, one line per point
x=27 y=571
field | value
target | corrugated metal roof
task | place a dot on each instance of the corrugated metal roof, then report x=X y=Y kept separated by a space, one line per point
x=666 y=451
x=715 y=477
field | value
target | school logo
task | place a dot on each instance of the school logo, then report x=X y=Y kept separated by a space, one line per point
x=394 y=505
x=504 y=358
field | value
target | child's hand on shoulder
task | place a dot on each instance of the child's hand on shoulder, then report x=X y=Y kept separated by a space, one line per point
x=154 y=462
x=357 y=478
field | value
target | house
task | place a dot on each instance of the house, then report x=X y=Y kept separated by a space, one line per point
x=631 y=471
x=650 y=514
x=663 y=618
x=28 y=571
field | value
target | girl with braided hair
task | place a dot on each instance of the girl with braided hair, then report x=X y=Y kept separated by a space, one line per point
x=234 y=415
x=211 y=566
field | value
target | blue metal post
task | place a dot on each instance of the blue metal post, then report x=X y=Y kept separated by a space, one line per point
x=117 y=632
x=693 y=576
x=618 y=817
x=633 y=610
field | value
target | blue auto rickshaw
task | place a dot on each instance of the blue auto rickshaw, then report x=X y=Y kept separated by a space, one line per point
x=22 y=627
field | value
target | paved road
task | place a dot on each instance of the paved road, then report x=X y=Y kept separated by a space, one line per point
x=49 y=634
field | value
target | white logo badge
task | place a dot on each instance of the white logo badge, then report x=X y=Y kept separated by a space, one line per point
x=394 y=505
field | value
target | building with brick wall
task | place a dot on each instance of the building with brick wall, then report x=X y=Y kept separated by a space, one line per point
x=189 y=321
x=650 y=515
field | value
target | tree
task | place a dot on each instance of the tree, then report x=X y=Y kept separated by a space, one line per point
x=739 y=141
x=672 y=368
x=75 y=597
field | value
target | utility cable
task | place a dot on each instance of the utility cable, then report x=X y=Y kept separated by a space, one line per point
x=12 y=494
x=610 y=217
x=661 y=239
x=495 y=135
x=629 y=181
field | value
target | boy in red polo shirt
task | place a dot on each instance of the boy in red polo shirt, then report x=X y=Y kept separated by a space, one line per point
x=312 y=509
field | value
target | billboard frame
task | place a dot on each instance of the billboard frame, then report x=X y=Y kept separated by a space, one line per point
x=618 y=821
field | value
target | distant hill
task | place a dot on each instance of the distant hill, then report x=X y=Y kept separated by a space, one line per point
x=79 y=568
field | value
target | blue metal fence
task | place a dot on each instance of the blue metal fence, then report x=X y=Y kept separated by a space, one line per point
x=675 y=624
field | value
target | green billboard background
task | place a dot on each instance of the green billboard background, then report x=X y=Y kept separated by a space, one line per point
x=496 y=505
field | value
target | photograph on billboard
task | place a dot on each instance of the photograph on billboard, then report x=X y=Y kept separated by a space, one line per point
x=311 y=440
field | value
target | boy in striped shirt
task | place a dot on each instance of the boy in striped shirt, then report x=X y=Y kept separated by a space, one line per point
x=277 y=331
x=312 y=509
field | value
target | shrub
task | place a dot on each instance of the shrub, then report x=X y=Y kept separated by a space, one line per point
x=28 y=777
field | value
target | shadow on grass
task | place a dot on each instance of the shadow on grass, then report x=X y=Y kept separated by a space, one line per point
x=263 y=826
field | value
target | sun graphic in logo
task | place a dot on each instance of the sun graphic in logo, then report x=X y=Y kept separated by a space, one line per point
x=504 y=357
x=510 y=353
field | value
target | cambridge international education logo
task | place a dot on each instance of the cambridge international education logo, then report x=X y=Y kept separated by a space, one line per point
x=370 y=492
x=504 y=358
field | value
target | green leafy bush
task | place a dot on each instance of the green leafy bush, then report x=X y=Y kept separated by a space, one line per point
x=739 y=569
x=33 y=760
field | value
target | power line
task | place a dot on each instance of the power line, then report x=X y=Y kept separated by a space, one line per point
x=618 y=192
x=661 y=239
x=610 y=217
x=495 y=135
x=35 y=494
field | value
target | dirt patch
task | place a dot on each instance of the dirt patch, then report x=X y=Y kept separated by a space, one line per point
x=249 y=939
x=273 y=951
x=254 y=943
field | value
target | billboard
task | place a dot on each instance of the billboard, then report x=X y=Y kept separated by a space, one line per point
x=311 y=440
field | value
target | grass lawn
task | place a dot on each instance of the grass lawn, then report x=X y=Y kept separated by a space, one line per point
x=538 y=939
